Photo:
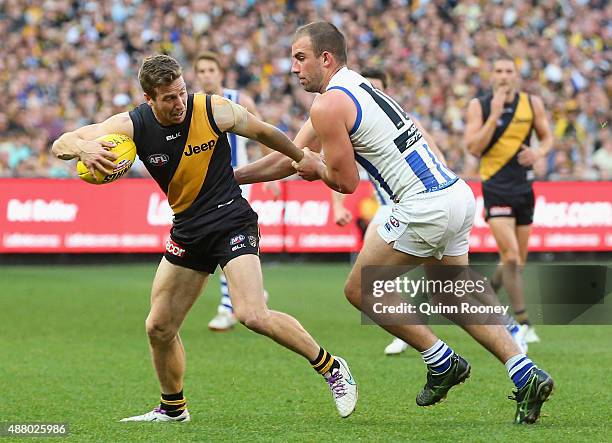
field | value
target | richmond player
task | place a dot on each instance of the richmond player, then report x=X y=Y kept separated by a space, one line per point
x=213 y=224
x=498 y=130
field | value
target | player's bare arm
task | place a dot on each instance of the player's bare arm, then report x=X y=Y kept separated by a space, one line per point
x=332 y=114
x=94 y=154
x=246 y=101
x=232 y=117
x=479 y=134
x=528 y=156
x=249 y=104
x=276 y=165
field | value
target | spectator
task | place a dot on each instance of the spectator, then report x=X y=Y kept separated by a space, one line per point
x=74 y=62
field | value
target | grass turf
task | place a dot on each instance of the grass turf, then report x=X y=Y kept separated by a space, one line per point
x=73 y=349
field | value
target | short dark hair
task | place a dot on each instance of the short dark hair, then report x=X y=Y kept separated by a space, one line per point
x=377 y=73
x=211 y=56
x=158 y=70
x=324 y=37
x=502 y=55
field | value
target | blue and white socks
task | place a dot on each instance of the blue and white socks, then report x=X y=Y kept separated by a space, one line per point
x=225 y=303
x=438 y=357
x=519 y=369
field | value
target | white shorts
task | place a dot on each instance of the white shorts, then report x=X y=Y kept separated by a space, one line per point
x=432 y=224
x=382 y=214
x=246 y=191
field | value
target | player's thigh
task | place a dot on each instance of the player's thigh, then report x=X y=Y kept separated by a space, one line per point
x=382 y=262
x=522 y=235
x=503 y=230
x=245 y=282
x=175 y=290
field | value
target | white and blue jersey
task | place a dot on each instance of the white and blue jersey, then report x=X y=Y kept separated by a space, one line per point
x=387 y=144
x=381 y=195
x=236 y=142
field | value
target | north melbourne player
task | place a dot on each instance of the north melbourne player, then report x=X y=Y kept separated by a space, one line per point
x=433 y=209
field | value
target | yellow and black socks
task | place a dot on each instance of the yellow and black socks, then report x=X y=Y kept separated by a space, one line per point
x=324 y=363
x=173 y=404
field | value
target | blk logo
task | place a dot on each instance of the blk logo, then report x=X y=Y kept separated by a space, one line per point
x=173 y=137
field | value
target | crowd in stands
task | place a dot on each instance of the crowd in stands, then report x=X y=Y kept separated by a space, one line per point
x=68 y=63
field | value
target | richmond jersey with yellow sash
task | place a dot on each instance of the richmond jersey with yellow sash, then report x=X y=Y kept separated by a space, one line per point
x=191 y=163
x=500 y=170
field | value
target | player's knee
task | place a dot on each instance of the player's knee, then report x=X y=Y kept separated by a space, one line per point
x=160 y=332
x=511 y=258
x=352 y=293
x=256 y=320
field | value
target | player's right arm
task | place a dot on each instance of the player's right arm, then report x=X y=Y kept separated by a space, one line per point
x=478 y=134
x=232 y=117
x=94 y=154
x=276 y=166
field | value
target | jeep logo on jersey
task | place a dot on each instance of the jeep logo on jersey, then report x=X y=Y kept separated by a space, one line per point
x=197 y=149
x=237 y=239
x=158 y=159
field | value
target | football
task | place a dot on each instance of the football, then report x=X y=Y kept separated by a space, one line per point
x=126 y=154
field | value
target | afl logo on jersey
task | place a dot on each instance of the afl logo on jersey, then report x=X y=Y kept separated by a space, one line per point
x=158 y=159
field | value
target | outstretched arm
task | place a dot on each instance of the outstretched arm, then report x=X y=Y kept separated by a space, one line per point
x=275 y=165
x=231 y=117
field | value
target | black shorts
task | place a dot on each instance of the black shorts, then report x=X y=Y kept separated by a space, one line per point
x=216 y=248
x=518 y=206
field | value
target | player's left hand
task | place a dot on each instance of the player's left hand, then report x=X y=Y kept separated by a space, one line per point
x=309 y=168
x=527 y=156
x=342 y=216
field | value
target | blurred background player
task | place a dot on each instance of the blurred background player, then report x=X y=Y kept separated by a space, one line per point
x=209 y=73
x=498 y=129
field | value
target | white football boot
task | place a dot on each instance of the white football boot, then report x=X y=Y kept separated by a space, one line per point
x=158 y=414
x=343 y=388
x=531 y=336
x=396 y=347
x=223 y=321
x=519 y=334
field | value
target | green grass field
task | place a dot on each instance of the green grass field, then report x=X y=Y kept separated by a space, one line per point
x=73 y=349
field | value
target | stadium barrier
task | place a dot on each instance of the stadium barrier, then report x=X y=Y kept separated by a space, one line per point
x=132 y=216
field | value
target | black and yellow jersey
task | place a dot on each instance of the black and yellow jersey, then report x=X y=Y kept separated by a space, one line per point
x=499 y=168
x=191 y=163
